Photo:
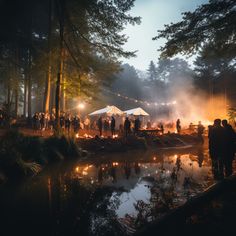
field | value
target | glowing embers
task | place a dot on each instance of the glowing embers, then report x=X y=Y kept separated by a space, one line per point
x=87 y=136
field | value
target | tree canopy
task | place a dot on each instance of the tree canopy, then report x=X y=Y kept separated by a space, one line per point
x=83 y=36
x=211 y=22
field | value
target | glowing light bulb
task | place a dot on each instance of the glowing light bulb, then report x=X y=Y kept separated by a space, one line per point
x=81 y=106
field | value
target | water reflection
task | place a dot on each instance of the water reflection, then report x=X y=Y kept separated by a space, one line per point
x=110 y=195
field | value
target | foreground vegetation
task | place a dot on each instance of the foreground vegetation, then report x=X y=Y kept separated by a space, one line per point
x=26 y=155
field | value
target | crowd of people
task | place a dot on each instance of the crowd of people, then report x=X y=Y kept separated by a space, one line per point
x=129 y=126
x=43 y=121
x=4 y=118
x=222 y=139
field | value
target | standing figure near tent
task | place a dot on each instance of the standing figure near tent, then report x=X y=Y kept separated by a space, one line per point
x=178 y=126
x=161 y=128
x=99 y=124
x=149 y=125
x=106 y=124
x=127 y=125
x=137 y=125
x=113 y=125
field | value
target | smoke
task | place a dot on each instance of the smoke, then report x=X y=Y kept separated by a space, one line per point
x=194 y=105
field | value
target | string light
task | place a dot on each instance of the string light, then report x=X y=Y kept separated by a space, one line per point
x=141 y=101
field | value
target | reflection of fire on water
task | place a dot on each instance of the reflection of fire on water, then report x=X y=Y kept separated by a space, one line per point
x=83 y=171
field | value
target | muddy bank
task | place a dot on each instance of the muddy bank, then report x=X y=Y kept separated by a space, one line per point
x=22 y=156
x=124 y=144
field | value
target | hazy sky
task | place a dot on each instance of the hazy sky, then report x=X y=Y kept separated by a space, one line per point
x=154 y=13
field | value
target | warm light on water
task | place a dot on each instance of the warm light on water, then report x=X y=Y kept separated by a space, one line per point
x=120 y=184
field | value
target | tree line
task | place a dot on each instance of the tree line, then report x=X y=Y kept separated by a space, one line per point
x=52 y=51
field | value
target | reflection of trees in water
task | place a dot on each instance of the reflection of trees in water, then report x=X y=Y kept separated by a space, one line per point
x=167 y=191
x=200 y=155
x=88 y=208
x=127 y=169
x=79 y=209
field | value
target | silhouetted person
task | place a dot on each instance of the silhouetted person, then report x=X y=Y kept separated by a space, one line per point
x=137 y=125
x=113 y=125
x=76 y=123
x=161 y=128
x=216 y=145
x=191 y=127
x=178 y=126
x=200 y=131
x=99 y=124
x=106 y=125
x=35 y=117
x=37 y=121
x=229 y=147
x=149 y=126
x=67 y=124
x=127 y=125
x=42 y=121
x=62 y=121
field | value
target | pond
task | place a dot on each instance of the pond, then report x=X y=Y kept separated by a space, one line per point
x=104 y=195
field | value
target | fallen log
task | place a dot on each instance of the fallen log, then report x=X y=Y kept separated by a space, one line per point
x=174 y=221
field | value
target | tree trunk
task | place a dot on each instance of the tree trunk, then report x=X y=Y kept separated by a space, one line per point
x=8 y=93
x=63 y=92
x=29 y=64
x=60 y=11
x=49 y=72
x=52 y=95
x=29 y=85
x=16 y=98
x=25 y=96
x=17 y=82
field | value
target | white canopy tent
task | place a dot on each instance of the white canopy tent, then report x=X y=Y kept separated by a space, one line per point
x=137 y=112
x=109 y=111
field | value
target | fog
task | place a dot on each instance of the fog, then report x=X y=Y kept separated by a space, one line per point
x=194 y=105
